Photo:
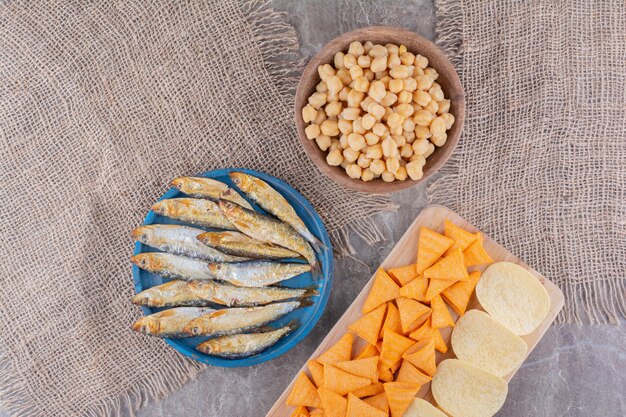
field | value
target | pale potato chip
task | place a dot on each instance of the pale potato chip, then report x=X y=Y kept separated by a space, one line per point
x=513 y=297
x=463 y=390
x=485 y=343
x=421 y=408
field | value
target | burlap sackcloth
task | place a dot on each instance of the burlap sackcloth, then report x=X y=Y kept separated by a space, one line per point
x=541 y=166
x=101 y=105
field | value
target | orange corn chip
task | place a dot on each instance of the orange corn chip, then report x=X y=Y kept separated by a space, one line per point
x=425 y=331
x=300 y=411
x=304 y=393
x=459 y=294
x=395 y=366
x=475 y=254
x=462 y=238
x=367 y=368
x=479 y=237
x=412 y=313
x=372 y=389
x=440 y=344
x=334 y=404
x=430 y=246
x=340 y=351
x=342 y=382
x=404 y=274
x=436 y=286
x=367 y=352
x=399 y=396
x=379 y=401
x=415 y=289
x=384 y=289
x=422 y=356
x=359 y=408
x=394 y=345
x=385 y=375
x=409 y=373
x=441 y=315
x=392 y=320
x=317 y=372
x=318 y=412
x=451 y=268
x=368 y=326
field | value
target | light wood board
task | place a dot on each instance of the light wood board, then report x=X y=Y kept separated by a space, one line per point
x=404 y=253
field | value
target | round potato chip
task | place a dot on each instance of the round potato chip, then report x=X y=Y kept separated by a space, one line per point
x=513 y=297
x=419 y=407
x=480 y=340
x=463 y=390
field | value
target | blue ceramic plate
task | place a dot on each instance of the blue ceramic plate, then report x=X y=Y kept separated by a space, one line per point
x=306 y=317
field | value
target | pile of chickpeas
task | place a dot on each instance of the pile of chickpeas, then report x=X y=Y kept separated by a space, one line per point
x=378 y=111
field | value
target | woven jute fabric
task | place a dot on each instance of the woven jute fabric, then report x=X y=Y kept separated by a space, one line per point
x=102 y=104
x=541 y=165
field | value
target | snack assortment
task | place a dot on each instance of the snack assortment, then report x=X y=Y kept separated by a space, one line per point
x=403 y=332
x=237 y=266
x=378 y=111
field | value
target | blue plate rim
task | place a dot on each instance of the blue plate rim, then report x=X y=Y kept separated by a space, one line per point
x=320 y=305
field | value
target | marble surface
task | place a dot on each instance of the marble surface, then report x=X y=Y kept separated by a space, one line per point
x=577 y=371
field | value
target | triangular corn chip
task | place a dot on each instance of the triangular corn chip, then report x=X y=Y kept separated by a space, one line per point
x=318 y=412
x=425 y=331
x=334 y=404
x=304 y=393
x=367 y=352
x=403 y=275
x=422 y=356
x=475 y=254
x=317 y=372
x=368 y=326
x=383 y=289
x=399 y=396
x=300 y=411
x=359 y=408
x=415 y=289
x=441 y=315
x=379 y=401
x=451 y=268
x=462 y=238
x=394 y=345
x=459 y=294
x=340 y=351
x=395 y=366
x=385 y=375
x=412 y=313
x=409 y=373
x=436 y=286
x=342 y=382
x=367 y=368
x=392 y=320
x=430 y=246
x=368 y=390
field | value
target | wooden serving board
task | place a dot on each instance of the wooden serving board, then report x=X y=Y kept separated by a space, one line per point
x=405 y=253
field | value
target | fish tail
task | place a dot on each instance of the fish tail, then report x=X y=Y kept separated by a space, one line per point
x=317 y=245
x=316 y=271
x=307 y=302
x=310 y=292
x=292 y=326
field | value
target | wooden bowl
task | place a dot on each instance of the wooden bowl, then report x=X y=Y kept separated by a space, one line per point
x=448 y=79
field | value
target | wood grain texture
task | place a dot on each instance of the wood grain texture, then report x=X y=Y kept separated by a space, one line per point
x=405 y=253
x=448 y=79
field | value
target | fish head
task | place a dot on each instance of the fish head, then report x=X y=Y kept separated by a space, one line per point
x=149 y=261
x=241 y=180
x=147 y=325
x=215 y=267
x=179 y=183
x=149 y=297
x=209 y=238
x=161 y=207
x=193 y=328
x=228 y=207
x=141 y=234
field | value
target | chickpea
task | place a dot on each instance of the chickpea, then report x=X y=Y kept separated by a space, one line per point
x=399 y=140
x=389 y=147
x=388 y=112
x=367 y=175
x=385 y=80
x=334 y=84
x=407 y=58
x=396 y=130
x=438 y=126
x=376 y=91
x=420 y=146
x=357 y=126
x=321 y=87
x=329 y=127
x=449 y=119
x=338 y=60
x=325 y=71
x=406 y=150
x=422 y=132
x=368 y=121
x=334 y=144
x=379 y=129
x=436 y=93
x=393 y=60
x=344 y=75
x=321 y=116
x=424 y=82
x=376 y=110
x=333 y=109
x=308 y=113
x=367 y=46
x=432 y=106
x=421 y=61
x=409 y=84
x=354 y=171
x=444 y=106
x=343 y=94
x=401 y=49
x=431 y=149
x=414 y=170
x=399 y=71
x=350 y=155
x=404 y=110
x=392 y=49
x=420 y=160
x=317 y=100
x=392 y=164
x=432 y=73
x=334 y=158
x=368 y=74
x=374 y=152
x=349 y=61
x=422 y=117
x=389 y=99
x=356 y=48
x=356 y=141
x=439 y=140
x=364 y=61
x=351 y=113
x=421 y=97
x=378 y=64
x=378 y=51
x=388 y=176
x=401 y=174
x=356 y=72
x=395 y=86
x=377 y=166
x=343 y=142
x=417 y=71
x=361 y=84
x=344 y=164
x=312 y=131
x=409 y=136
x=371 y=138
x=345 y=126
x=323 y=142
x=365 y=104
x=395 y=120
x=363 y=161
x=404 y=97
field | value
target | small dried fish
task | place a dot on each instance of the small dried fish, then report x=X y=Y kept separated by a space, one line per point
x=193 y=210
x=244 y=345
x=169 y=323
x=256 y=273
x=271 y=201
x=238 y=244
x=267 y=229
x=237 y=320
x=180 y=240
x=201 y=187
x=199 y=294
x=172 y=266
